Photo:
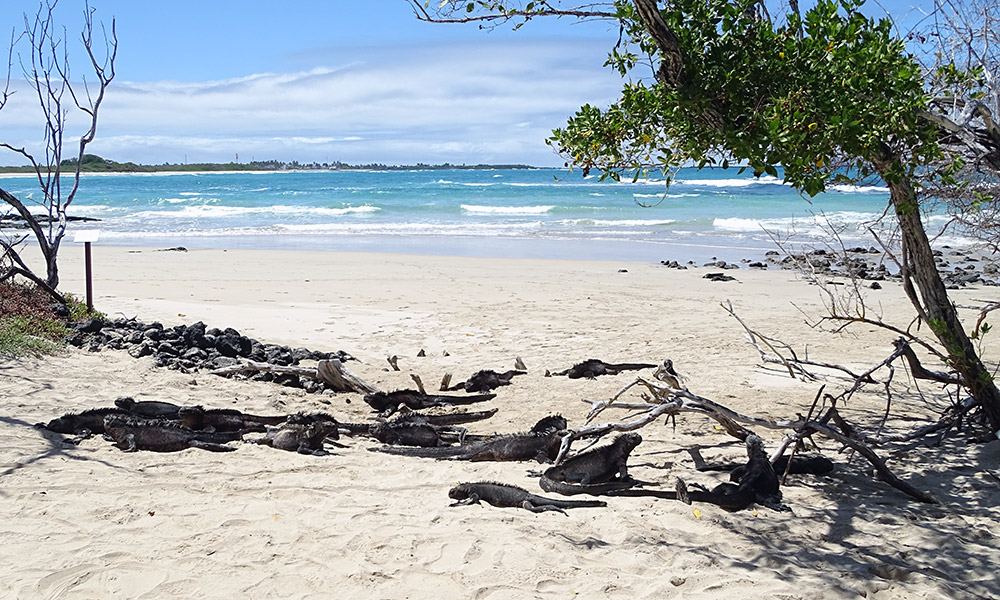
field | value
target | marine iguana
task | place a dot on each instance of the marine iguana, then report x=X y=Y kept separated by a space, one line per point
x=131 y=433
x=149 y=409
x=302 y=433
x=596 y=471
x=224 y=419
x=757 y=483
x=437 y=420
x=414 y=429
x=388 y=401
x=83 y=424
x=547 y=424
x=542 y=447
x=486 y=380
x=801 y=465
x=510 y=496
x=592 y=368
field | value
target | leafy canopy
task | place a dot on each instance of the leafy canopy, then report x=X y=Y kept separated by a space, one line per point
x=823 y=95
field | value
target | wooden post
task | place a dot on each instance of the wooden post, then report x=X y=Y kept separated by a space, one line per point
x=86 y=237
x=89 y=276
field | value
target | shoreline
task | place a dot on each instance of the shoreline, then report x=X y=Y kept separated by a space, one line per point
x=463 y=247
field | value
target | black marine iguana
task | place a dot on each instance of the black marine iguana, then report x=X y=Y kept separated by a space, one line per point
x=510 y=496
x=801 y=465
x=596 y=471
x=413 y=429
x=547 y=424
x=131 y=433
x=592 y=368
x=224 y=419
x=757 y=483
x=302 y=433
x=542 y=445
x=486 y=380
x=388 y=401
x=83 y=424
x=437 y=420
x=149 y=409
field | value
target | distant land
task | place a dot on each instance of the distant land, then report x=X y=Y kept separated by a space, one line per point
x=95 y=164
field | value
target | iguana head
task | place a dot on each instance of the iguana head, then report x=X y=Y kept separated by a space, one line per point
x=125 y=403
x=628 y=441
x=549 y=424
x=459 y=492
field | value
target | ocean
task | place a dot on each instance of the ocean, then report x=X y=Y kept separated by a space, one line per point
x=521 y=213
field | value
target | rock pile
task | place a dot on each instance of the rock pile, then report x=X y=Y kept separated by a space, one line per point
x=958 y=268
x=196 y=347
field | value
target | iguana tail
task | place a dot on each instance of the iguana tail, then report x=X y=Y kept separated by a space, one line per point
x=437 y=452
x=594 y=489
x=460 y=418
x=471 y=399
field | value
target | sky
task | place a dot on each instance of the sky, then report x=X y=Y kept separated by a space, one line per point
x=324 y=81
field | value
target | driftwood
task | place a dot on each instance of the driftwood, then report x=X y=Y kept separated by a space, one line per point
x=331 y=372
x=663 y=400
x=420 y=384
x=445 y=382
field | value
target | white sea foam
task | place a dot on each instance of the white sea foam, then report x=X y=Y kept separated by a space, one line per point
x=617 y=223
x=731 y=183
x=334 y=229
x=506 y=210
x=94 y=209
x=188 y=212
x=859 y=189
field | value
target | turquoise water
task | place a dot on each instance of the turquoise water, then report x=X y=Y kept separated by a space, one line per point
x=516 y=213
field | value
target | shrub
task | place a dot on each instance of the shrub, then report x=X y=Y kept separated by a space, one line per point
x=31 y=324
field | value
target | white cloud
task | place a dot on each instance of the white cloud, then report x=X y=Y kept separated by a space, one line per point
x=483 y=102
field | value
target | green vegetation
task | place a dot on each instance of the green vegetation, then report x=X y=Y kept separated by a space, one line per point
x=828 y=95
x=92 y=163
x=30 y=323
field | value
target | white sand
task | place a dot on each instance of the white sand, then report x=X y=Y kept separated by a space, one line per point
x=93 y=522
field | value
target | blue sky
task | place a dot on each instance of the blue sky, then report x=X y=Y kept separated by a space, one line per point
x=326 y=80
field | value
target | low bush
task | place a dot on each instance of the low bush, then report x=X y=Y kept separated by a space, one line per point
x=31 y=323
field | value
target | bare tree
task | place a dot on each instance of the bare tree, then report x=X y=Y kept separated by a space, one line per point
x=45 y=66
x=964 y=77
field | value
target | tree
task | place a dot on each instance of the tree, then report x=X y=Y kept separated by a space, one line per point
x=828 y=96
x=963 y=66
x=46 y=71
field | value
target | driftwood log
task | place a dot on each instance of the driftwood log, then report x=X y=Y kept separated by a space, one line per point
x=331 y=372
x=663 y=400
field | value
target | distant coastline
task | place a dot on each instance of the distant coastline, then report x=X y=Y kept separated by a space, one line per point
x=95 y=164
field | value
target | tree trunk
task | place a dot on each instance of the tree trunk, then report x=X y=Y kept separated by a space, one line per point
x=942 y=316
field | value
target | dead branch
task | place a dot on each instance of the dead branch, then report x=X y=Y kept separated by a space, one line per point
x=919 y=372
x=752 y=336
x=420 y=384
x=331 y=372
x=664 y=400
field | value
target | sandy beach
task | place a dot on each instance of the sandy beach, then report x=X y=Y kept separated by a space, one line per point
x=91 y=521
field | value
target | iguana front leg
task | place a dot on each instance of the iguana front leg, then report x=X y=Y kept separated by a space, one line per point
x=306 y=448
x=471 y=499
x=682 y=491
x=527 y=505
x=83 y=434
